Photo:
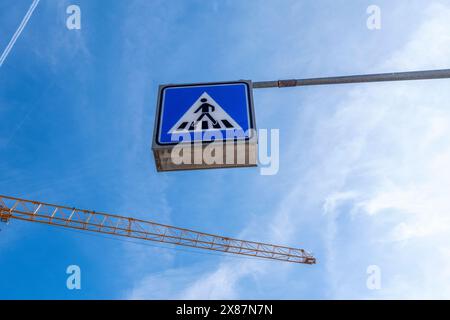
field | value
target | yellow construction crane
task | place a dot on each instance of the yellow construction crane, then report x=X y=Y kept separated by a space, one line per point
x=36 y=211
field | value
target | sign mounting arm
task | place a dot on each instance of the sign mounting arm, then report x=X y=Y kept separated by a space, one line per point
x=365 y=78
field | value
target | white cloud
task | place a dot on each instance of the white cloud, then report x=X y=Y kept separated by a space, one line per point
x=379 y=173
x=220 y=284
x=156 y=286
x=400 y=172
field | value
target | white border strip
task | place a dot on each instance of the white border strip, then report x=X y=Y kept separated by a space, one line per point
x=18 y=31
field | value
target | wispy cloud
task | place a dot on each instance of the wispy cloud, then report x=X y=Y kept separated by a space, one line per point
x=378 y=174
x=397 y=156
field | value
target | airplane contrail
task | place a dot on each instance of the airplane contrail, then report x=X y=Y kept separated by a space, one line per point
x=18 y=31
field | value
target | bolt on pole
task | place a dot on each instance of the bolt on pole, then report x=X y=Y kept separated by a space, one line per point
x=380 y=77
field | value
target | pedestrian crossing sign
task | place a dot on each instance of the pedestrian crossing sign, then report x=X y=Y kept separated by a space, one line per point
x=222 y=110
x=205 y=125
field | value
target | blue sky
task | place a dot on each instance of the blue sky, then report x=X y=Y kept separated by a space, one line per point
x=363 y=176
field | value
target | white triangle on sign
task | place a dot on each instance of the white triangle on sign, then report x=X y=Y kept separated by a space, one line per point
x=205 y=115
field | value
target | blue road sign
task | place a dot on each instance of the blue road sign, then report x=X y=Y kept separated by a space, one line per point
x=205 y=112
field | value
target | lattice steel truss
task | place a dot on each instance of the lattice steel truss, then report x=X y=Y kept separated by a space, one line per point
x=35 y=211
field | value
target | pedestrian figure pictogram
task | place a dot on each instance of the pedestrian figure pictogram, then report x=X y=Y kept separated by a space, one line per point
x=205 y=107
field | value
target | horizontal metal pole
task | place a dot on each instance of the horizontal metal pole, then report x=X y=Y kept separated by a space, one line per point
x=381 y=77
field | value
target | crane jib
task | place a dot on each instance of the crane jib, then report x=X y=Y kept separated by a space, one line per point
x=70 y=217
